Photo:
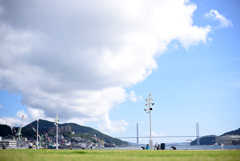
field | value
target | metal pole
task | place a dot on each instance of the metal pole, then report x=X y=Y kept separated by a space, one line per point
x=150 y=141
x=56 y=124
x=148 y=110
x=57 y=137
x=37 y=134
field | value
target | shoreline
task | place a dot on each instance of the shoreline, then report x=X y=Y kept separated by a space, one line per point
x=168 y=148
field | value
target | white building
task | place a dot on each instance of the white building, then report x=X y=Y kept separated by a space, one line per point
x=228 y=139
x=8 y=143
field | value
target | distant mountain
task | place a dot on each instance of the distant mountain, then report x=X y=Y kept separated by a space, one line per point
x=205 y=140
x=234 y=132
x=211 y=139
x=78 y=129
x=43 y=126
x=5 y=130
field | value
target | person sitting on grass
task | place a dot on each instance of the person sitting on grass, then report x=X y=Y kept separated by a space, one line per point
x=147 y=147
x=173 y=147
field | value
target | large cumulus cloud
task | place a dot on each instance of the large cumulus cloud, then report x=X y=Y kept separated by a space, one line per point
x=77 y=57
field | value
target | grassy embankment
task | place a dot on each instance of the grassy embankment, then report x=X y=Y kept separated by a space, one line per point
x=116 y=155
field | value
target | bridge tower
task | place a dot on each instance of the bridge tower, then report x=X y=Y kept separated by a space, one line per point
x=137 y=137
x=197 y=133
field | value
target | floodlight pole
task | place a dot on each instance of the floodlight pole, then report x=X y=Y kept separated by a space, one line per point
x=149 y=104
x=149 y=109
x=150 y=141
x=37 y=134
x=56 y=124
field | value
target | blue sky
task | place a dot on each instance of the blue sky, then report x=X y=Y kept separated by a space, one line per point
x=99 y=74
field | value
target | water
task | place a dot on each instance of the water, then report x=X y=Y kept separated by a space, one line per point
x=180 y=147
x=203 y=147
x=167 y=147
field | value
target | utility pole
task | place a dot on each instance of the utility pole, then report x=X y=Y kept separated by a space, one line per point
x=56 y=124
x=37 y=134
x=148 y=110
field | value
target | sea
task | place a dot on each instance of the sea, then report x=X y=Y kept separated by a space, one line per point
x=167 y=147
x=180 y=147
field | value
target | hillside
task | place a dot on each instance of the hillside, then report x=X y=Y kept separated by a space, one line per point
x=78 y=129
x=234 y=132
x=211 y=139
x=5 y=130
x=27 y=131
x=206 y=140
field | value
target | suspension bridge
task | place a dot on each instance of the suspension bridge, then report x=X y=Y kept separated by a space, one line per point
x=175 y=136
x=132 y=137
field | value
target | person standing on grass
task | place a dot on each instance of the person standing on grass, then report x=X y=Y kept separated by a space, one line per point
x=147 y=147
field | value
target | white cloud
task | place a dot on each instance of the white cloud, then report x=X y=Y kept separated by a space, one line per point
x=157 y=134
x=1 y=106
x=133 y=97
x=21 y=118
x=154 y=133
x=109 y=126
x=21 y=114
x=10 y=121
x=36 y=113
x=215 y=15
x=77 y=57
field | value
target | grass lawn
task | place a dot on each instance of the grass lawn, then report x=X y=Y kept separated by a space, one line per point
x=115 y=155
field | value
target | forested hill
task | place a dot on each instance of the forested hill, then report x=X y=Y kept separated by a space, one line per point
x=78 y=130
x=5 y=130
x=234 y=132
x=211 y=139
x=43 y=125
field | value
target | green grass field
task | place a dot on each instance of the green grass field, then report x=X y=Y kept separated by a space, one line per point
x=115 y=155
